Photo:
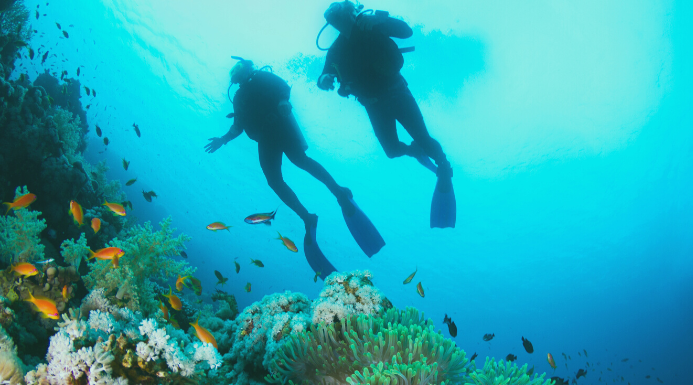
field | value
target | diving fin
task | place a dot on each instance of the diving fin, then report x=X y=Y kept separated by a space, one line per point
x=316 y=259
x=421 y=157
x=363 y=230
x=443 y=205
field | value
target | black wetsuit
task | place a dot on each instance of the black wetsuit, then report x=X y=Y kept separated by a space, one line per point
x=368 y=63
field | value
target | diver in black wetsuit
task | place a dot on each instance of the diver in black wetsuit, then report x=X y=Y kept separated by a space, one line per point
x=366 y=62
x=262 y=109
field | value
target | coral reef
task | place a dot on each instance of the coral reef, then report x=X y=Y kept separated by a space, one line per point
x=19 y=234
x=147 y=256
x=398 y=347
x=15 y=33
x=504 y=373
x=10 y=365
x=346 y=294
x=261 y=329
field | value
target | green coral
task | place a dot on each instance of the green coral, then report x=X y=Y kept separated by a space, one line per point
x=147 y=256
x=111 y=190
x=69 y=133
x=504 y=373
x=19 y=234
x=398 y=347
x=75 y=252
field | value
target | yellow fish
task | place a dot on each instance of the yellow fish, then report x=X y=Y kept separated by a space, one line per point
x=77 y=212
x=117 y=209
x=288 y=243
x=163 y=309
x=24 y=268
x=45 y=306
x=419 y=289
x=203 y=334
x=218 y=226
x=21 y=202
x=180 y=281
x=96 y=224
x=409 y=278
x=65 y=295
x=173 y=300
x=108 y=253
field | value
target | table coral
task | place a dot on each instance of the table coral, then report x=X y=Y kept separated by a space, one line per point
x=346 y=294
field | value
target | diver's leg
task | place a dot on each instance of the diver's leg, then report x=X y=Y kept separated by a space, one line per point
x=271 y=163
x=385 y=127
x=409 y=115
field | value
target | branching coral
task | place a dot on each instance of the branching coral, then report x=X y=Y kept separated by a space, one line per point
x=504 y=373
x=74 y=252
x=69 y=133
x=147 y=256
x=19 y=234
x=110 y=190
x=399 y=347
x=346 y=294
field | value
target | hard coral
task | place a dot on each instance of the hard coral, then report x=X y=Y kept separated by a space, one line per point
x=10 y=365
x=346 y=294
x=399 y=347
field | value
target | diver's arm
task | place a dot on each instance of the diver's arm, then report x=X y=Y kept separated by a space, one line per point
x=392 y=27
x=329 y=73
x=216 y=143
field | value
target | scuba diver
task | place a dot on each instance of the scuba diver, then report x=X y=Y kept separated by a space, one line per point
x=262 y=109
x=366 y=62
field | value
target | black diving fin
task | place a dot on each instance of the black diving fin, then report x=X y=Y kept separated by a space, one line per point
x=316 y=259
x=363 y=230
x=443 y=205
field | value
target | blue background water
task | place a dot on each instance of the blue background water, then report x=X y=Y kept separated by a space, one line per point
x=568 y=125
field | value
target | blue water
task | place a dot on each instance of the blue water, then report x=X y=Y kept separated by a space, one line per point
x=568 y=125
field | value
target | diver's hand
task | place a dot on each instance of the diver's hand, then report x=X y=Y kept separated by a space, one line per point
x=326 y=82
x=366 y=22
x=214 y=144
x=284 y=108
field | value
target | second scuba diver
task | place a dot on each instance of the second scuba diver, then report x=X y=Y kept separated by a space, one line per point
x=262 y=109
x=367 y=62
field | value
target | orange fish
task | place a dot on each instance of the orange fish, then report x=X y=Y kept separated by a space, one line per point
x=65 y=295
x=108 y=253
x=288 y=243
x=45 y=306
x=203 y=334
x=96 y=224
x=180 y=281
x=218 y=226
x=117 y=209
x=21 y=202
x=551 y=361
x=24 y=268
x=163 y=309
x=173 y=300
x=77 y=212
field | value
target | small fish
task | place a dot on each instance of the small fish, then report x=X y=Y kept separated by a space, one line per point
x=77 y=71
x=25 y=269
x=96 y=224
x=528 y=345
x=560 y=381
x=137 y=130
x=173 y=300
x=256 y=262
x=474 y=356
x=126 y=164
x=218 y=226
x=263 y=218
x=585 y=352
x=65 y=34
x=105 y=141
x=564 y=356
x=247 y=287
x=489 y=337
x=315 y=279
x=37 y=15
x=579 y=354
x=49 y=260
x=288 y=243
x=581 y=373
x=88 y=106
x=221 y=278
x=58 y=25
x=238 y=267
x=195 y=285
x=147 y=196
x=624 y=360
x=530 y=371
x=648 y=376
x=93 y=92
x=98 y=131
x=65 y=292
x=131 y=182
x=152 y=193
x=410 y=277
x=203 y=334
x=44 y=57
x=127 y=204
x=180 y=281
x=77 y=213
x=452 y=328
x=31 y=53
x=164 y=309
x=108 y=253
x=116 y=208
x=659 y=380
x=549 y=358
x=22 y=77
x=87 y=90
x=44 y=305
x=510 y=357
x=184 y=254
x=420 y=290
x=20 y=203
